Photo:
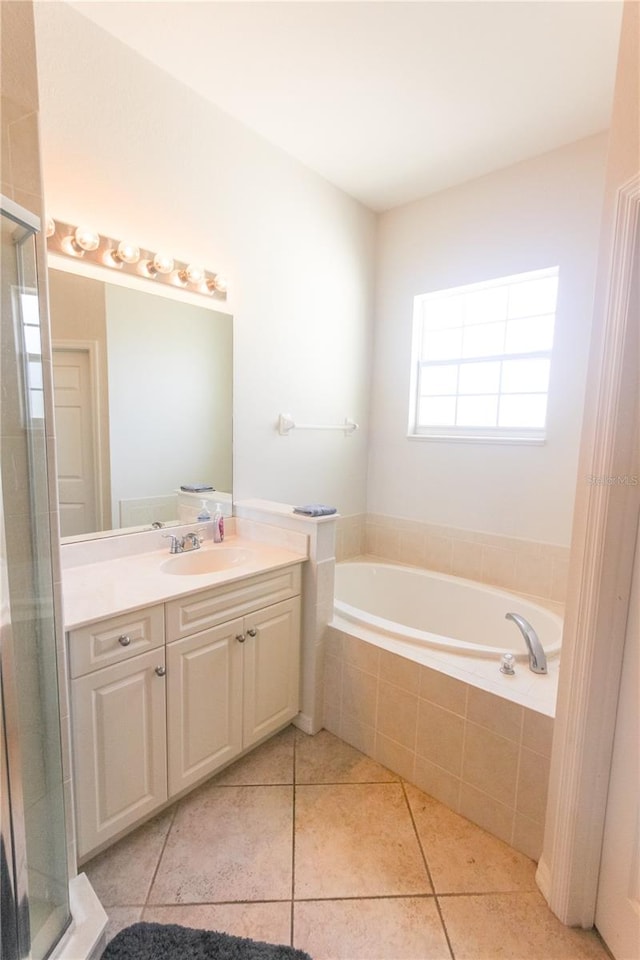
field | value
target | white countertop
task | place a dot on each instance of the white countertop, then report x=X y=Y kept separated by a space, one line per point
x=93 y=591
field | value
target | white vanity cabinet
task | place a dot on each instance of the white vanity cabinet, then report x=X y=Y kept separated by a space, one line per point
x=232 y=684
x=118 y=723
x=163 y=697
x=204 y=698
x=271 y=669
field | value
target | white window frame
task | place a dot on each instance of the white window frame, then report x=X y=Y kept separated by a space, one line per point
x=495 y=434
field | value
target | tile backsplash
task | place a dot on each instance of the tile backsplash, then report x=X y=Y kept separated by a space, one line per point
x=525 y=566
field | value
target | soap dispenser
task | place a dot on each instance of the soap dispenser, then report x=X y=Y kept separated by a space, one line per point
x=204 y=512
x=218 y=525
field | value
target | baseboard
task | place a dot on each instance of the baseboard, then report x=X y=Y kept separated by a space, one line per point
x=543 y=878
x=306 y=723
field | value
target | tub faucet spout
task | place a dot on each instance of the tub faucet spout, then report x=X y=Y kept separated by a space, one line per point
x=537 y=658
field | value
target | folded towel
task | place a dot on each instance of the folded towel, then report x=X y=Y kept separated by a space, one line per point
x=315 y=510
x=196 y=487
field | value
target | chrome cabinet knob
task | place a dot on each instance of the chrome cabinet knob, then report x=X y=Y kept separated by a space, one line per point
x=161 y=671
x=252 y=632
x=240 y=637
x=124 y=640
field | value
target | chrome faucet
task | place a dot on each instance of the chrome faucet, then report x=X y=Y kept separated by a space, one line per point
x=537 y=658
x=190 y=541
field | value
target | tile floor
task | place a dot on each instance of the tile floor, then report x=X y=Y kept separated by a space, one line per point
x=307 y=842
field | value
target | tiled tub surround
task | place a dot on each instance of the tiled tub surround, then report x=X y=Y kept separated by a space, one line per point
x=480 y=754
x=526 y=566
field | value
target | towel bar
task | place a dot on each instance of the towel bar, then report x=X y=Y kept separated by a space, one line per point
x=286 y=424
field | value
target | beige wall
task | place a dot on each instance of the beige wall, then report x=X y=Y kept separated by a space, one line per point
x=170 y=396
x=131 y=151
x=543 y=212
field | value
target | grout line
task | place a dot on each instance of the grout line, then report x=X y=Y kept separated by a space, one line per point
x=349 y=783
x=488 y=893
x=463 y=749
x=293 y=838
x=207 y=903
x=322 y=783
x=401 y=896
x=426 y=866
x=368 y=896
x=517 y=783
x=155 y=872
x=452 y=895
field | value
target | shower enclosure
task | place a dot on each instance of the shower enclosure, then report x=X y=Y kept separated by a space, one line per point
x=33 y=848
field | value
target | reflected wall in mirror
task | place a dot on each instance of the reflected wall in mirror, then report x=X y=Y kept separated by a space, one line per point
x=143 y=405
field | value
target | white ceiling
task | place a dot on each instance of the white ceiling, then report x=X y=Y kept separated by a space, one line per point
x=389 y=101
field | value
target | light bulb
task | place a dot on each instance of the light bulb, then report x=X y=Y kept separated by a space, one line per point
x=82 y=240
x=161 y=263
x=193 y=273
x=125 y=252
x=217 y=284
x=86 y=238
x=51 y=227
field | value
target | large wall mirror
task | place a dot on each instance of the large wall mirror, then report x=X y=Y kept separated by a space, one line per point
x=143 y=405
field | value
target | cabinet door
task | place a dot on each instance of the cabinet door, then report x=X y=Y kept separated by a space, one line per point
x=271 y=669
x=204 y=703
x=119 y=746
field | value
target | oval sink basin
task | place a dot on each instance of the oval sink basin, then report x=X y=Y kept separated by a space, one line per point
x=205 y=561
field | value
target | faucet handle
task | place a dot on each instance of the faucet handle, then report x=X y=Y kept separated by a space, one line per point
x=177 y=543
x=194 y=538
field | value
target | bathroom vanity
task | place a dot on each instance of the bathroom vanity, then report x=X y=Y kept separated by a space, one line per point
x=174 y=673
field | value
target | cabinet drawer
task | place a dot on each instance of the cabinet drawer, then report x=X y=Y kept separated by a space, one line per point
x=118 y=638
x=203 y=610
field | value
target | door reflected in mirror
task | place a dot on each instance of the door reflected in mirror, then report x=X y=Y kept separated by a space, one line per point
x=143 y=405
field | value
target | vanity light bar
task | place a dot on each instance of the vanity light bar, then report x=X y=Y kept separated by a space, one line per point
x=84 y=243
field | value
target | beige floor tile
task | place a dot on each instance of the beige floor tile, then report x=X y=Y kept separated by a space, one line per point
x=462 y=857
x=356 y=840
x=122 y=875
x=271 y=762
x=516 y=926
x=326 y=759
x=259 y=921
x=120 y=917
x=228 y=843
x=401 y=928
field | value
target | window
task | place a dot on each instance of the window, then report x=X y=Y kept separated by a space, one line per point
x=32 y=354
x=481 y=359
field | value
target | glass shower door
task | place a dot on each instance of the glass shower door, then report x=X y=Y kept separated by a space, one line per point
x=35 y=904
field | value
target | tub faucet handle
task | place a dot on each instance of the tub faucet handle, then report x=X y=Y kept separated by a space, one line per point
x=508 y=664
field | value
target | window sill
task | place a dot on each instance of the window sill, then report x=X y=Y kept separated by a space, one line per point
x=453 y=438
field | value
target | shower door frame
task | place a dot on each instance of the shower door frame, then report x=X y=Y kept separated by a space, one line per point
x=12 y=832
x=17 y=906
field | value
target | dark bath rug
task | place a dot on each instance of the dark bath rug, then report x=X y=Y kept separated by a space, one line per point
x=160 y=941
